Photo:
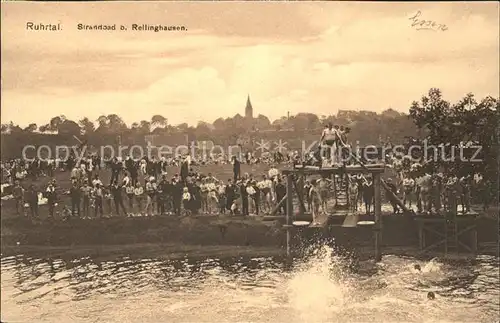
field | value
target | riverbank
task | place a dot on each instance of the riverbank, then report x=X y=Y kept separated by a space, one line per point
x=195 y=230
x=140 y=251
x=102 y=253
x=204 y=236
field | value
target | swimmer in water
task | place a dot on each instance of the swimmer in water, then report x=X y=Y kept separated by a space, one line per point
x=417 y=267
x=431 y=295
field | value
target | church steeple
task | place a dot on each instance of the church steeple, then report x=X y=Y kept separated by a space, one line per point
x=249 y=109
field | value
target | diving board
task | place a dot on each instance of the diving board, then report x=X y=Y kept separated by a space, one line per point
x=320 y=222
x=350 y=221
x=298 y=217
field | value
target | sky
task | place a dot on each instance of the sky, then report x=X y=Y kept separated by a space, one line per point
x=288 y=56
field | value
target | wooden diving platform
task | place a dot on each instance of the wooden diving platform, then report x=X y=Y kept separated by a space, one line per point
x=347 y=220
x=293 y=176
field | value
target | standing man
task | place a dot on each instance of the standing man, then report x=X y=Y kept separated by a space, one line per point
x=236 y=168
x=161 y=195
x=98 y=199
x=150 y=195
x=18 y=193
x=51 y=198
x=115 y=170
x=368 y=194
x=230 y=194
x=244 y=198
x=32 y=200
x=328 y=138
x=86 y=191
x=177 y=191
x=184 y=171
x=256 y=196
x=75 y=195
x=116 y=191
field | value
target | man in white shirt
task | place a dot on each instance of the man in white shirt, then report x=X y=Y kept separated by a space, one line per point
x=96 y=182
x=266 y=188
x=273 y=172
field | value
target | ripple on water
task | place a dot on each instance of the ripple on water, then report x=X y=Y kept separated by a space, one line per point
x=318 y=288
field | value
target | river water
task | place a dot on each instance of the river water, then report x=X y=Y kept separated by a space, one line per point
x=318 y=288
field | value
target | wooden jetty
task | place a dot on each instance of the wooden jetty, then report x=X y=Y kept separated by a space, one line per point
x=449 y=233
x=297 y=174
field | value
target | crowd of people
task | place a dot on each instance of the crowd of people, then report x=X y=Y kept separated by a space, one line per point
x=144 y=187
x=434 y=192
x=21 y=169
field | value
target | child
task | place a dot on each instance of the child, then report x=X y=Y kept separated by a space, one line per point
x=235 y=209
x=186 y=199
x=66 y=213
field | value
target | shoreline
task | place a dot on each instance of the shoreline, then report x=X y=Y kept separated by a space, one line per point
x=150 y=250
x=203 y=236
x=175 y=252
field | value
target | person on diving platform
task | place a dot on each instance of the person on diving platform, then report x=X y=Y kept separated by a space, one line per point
x=329 y=138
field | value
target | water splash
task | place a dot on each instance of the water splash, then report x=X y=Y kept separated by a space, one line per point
x=316 y=288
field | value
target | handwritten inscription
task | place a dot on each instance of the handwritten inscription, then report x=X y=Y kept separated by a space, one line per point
x=422 y=24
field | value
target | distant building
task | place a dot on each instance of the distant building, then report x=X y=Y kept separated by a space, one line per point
x=249 y=109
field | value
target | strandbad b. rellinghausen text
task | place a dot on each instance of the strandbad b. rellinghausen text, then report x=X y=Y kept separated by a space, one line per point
x=133 y=27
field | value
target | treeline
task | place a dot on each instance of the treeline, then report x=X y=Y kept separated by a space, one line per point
x=366 y=127
x=431 y=117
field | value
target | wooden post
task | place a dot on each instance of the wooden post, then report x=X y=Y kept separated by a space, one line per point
x=378 y=216
x=347 y=183
x=289 y=211
x=335 y=188
x=446 y=219
x=421 y=235
x=474 y=238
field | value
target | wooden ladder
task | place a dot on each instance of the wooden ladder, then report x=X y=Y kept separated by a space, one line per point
x=341 y=198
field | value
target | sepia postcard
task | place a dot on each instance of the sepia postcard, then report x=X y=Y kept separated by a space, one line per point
x=250 y=162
